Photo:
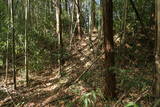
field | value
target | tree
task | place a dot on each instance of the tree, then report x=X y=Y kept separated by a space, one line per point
x=59 y=32
x=110 y=86
x=72 y=7
x=7 y=47
x=77 y=2
x=13 y=42
x=93 y=14
x=156 y=86
x=26 y=41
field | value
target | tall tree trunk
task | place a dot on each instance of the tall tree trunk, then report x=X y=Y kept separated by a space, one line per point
x=26 y=41
x=77 y=2
x=93 y=14
x=101 y=19
x=72 y=17
x=110 y=86
x=156 y=87
x=89 y=17
x=72 y=23
x=59 y=32
x=7 y=53
x=13 y=43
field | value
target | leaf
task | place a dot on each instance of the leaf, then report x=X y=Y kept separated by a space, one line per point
x=86 y=102
x=131 y=104
x=94 y=95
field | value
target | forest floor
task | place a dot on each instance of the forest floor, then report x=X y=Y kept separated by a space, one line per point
x=82 y=78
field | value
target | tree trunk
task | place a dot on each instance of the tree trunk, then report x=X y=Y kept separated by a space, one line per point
x=7 y=47
x=156 y=87
x=110 y=86
x=26 y=41
x=77 y=2
x=59 y=32
x=13 y=42
x=93 y=14
x=122 y=40
x=72 y=23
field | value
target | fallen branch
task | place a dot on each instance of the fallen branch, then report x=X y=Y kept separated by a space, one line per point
x=87 y=69
x=142 y=95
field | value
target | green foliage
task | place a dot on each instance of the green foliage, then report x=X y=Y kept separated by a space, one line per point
x=1 y=62
x=69 y=104
x=89 y=99
x=157 y=103
x=20 y=104
x=131 y=104
x=119 y=70
x=43 y=41
x=128 y=80
x=137 y=82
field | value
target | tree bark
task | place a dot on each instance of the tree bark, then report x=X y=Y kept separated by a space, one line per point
x=7 y=47
x=26 y=41
x=156 y=87
x=59 y=32
x=93 y=14
x=13 y=42
x=72 y=23
x=110 y=86
x=77 y=2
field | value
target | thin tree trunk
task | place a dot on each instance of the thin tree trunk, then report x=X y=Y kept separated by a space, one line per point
x=156 y=87
x=77 y=2
x=101 y=20
x=13 y=43
x=90 y=17
x=72 y=21
x=59 y=32
x=7 y=53
x=26 y=42
x=72 y=17
x=7 y=67
x=110 y=86
x=93 y=14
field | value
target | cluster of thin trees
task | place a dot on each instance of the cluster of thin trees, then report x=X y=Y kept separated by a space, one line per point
x=107 y=11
